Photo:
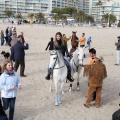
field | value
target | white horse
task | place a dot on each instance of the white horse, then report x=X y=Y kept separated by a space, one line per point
x=76 y=63
x=57 y=65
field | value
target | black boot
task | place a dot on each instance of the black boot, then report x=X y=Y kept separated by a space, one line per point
x=48 y=75
x=69 y=77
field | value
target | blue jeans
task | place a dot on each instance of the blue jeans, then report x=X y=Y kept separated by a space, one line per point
x=68 y=63
x=9 y=102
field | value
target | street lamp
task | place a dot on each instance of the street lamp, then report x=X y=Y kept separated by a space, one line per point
x=108 y=19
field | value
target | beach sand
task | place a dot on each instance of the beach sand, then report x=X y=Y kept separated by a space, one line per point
x=34 y=102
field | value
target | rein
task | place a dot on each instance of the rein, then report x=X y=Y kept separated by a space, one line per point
x=56 y=61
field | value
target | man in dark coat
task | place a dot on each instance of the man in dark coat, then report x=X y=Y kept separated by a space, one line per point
x=18 y=54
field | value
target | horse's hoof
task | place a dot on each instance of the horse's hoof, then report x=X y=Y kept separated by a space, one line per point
x=60 y=102
x=70 y=90
x=78 y=89
x=56 y=104
x=63 y=92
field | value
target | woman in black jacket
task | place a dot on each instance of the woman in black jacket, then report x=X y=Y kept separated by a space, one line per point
x=60 y=44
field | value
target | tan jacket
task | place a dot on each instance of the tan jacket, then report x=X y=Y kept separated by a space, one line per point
x=96 y=72
x=82 y=40
x=66 y=39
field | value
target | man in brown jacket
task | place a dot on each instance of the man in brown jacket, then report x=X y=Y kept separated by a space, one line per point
x=96 y=72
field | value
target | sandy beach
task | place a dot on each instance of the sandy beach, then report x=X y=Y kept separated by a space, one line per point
x=34 y=102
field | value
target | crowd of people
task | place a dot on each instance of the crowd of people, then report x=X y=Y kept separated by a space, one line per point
x=95 y=70
x=9 y=79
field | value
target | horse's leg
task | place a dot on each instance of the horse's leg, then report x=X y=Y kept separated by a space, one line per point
x=60 y=93
x=51 y=85
x=78 y=78
x=56 y=93
x=70 y=88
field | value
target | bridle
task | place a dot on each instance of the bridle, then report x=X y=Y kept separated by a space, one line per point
x=56 y=62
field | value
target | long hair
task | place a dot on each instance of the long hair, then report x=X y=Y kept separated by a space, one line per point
x=5 y=64
x=55 y=42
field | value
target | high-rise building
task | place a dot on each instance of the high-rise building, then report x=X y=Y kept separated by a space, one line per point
x=25 y=6
x=66 y=3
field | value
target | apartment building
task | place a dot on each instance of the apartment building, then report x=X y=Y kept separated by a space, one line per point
x=66 y=3
x=25 y=6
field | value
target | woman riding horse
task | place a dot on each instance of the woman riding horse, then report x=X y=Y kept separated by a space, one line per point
x=60 y=44
x=74 y=42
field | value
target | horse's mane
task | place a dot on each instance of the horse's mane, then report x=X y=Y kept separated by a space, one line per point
x=60 y=56
x=75 y=54
x=76 y=51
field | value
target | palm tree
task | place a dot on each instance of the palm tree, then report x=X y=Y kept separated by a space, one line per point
x=9 y=14
x=109 y=18
x=30 y=15
x=98 y=4
x=56 y=18
x=63 y=18
x=79 y=16
x=89 y=18
x=112 y=19
x=19 y=16
x=39 y=16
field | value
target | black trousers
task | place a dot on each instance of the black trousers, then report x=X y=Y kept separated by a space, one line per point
x=22 y=66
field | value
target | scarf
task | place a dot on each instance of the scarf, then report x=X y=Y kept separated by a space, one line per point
x=9 y=72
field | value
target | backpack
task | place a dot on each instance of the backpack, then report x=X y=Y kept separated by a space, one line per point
x=116 y=115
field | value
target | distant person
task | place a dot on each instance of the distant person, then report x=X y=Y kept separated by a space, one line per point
x=65 y=38
x=50 y=45
x=96 y=73
x=12 y=22
x=22 y=36
x=13 y=39
x=9 y=85
x=117 y=44
x=2 y=37
x=89 y=41
x=18 y=53
x=6 y=38
x=82 y=40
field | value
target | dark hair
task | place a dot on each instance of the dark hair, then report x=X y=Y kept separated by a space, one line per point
x=92 y=50
x=83 y=33
x=55 y=42
x=51 y=38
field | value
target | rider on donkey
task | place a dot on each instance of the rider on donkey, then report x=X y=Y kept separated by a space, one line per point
x=60 y=44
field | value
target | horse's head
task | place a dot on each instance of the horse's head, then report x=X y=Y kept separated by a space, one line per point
x=80 y=53
x=53 y=59
x=74 y=33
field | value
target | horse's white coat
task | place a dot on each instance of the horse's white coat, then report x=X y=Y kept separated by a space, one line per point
x=76 y=63
x=59 y=74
